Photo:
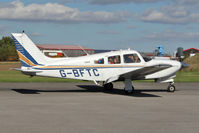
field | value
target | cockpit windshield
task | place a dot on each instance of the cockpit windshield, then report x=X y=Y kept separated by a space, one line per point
x=131 y=58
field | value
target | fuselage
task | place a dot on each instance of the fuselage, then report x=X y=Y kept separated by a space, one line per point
x=100 y=67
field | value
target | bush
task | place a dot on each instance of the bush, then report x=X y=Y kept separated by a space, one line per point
x=193 y=62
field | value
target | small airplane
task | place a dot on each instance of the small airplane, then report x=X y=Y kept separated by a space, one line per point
x=102 y=68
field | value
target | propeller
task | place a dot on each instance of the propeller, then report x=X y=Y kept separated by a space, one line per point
x=184 y=65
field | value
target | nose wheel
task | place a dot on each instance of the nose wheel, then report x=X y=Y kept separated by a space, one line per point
x=171 y=88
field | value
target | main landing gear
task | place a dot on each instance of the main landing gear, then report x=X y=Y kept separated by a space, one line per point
x=128 y=89
x=128 y=86
x=171 y=87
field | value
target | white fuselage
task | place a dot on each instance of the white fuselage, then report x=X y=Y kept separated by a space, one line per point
x=88 y=68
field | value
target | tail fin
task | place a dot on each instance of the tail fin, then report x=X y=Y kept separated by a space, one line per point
x=28 y=52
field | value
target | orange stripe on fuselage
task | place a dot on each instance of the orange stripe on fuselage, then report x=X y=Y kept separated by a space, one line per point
x=102 y=66
x=24 y=59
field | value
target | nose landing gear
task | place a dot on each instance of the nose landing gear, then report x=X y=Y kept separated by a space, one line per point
x=171 y=87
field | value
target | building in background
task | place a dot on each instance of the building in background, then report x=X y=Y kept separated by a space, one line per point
x=53 y=50
x=102 y=51
x=190 y=52
x=64 y=50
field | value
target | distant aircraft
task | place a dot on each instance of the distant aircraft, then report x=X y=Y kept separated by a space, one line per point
x=104 y=68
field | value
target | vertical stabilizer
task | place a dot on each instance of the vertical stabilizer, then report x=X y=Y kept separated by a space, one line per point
x=28 y=52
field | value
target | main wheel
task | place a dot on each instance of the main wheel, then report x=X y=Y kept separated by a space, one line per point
x=171 y=88
x=108 y=86
x=129 y=91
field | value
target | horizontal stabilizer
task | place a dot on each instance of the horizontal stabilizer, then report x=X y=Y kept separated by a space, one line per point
x=22 y=70
x=17 y=69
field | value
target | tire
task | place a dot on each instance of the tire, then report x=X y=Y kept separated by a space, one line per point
x=129 y=92
x=108 y=86
x=171 y=88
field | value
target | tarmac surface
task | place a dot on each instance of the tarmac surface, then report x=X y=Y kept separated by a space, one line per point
x=86 y=108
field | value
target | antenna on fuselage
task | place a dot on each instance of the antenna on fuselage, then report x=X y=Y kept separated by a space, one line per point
x=21 y=36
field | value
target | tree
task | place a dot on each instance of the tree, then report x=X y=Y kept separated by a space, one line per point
x=7 y=49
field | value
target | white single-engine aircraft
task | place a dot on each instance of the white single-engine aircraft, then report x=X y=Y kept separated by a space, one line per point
x=105 y=68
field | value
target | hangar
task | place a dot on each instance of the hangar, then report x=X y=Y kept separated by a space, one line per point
x=191 y=51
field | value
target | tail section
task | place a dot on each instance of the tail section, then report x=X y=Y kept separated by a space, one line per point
x=28 y=52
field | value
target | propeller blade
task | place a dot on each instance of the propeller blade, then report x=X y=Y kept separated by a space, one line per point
x=184 y=65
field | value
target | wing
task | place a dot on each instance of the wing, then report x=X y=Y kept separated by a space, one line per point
x=139 y=73
x=142 y=72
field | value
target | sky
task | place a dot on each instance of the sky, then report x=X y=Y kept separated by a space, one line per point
x=105 y=24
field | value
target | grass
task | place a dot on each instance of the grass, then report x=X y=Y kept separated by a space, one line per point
x=16 y=76
x=187 y=76
x=193 y=62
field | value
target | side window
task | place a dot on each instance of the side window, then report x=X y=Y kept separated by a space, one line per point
x=114 y=60
x=131 y=58
x=99 y=61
